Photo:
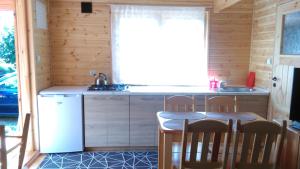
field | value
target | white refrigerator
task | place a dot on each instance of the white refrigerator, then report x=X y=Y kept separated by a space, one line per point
x=60 y=123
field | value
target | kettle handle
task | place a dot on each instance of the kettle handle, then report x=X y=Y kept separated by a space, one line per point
x=103 y=76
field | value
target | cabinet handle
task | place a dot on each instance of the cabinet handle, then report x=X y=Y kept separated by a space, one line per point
x=274 y=78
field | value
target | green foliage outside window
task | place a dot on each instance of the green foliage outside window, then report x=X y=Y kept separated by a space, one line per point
x=7 y=47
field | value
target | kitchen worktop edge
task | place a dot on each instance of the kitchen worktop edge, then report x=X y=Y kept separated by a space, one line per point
x=173 y=91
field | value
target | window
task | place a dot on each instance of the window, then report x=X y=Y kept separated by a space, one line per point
x=153 y=45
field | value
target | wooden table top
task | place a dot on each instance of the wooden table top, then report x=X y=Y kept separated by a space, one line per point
x=173 y=121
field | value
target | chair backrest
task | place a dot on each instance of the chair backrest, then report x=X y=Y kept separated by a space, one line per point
x=220 y=104
x=24 y=140
x=205 y=132
x=3 y=155
x=179 y=103
x=22 y=143
x=259 y=144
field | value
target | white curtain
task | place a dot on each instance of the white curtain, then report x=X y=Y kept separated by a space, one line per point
x=154 y=45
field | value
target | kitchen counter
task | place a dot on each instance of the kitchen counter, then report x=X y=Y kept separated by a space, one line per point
x=132 y=112
x=148 y=90
x=64 y=90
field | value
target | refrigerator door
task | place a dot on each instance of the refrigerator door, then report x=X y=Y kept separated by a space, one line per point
x=60 y=123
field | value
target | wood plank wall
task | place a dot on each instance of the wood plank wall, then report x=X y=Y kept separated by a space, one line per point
x=229 y=43
x=42 y=54
x=81 y=42
x=263 y=40
x=40 y=59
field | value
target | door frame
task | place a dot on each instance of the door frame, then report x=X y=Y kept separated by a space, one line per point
x=22 y=60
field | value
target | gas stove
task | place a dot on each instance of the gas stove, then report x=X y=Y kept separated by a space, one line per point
x=110 y=87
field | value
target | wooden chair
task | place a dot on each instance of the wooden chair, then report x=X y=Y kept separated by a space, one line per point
x=220 y=104
x=179 y=103
x=258 y=145
x=17 y=140
x=211 y=131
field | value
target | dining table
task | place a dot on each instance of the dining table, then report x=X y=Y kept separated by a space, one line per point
x=170 y=126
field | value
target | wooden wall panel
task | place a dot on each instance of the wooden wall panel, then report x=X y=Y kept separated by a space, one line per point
x=40 y=61
x=229 y=43
x=41 y=56
x=43 y=59
x=263 y=39
x=81 y=42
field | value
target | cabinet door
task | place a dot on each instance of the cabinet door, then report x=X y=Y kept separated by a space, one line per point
x=117 y=111
x=106 y=121
x=95 y=121
x=143 y=121
x=255 y=104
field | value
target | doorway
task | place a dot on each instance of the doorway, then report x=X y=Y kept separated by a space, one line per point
x=9 y=106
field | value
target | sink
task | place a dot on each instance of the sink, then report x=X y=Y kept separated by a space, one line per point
x=236 y=89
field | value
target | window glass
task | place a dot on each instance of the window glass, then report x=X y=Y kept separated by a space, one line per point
x=291 y=34
x=153 y=45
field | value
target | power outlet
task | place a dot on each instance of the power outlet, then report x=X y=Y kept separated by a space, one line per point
x=93 y=73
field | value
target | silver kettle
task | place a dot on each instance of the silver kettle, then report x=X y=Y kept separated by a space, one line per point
x=101 y=79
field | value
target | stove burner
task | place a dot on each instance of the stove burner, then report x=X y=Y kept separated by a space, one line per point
x=110 y=87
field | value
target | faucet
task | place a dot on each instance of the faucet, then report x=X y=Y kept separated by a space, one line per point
x=223 y=84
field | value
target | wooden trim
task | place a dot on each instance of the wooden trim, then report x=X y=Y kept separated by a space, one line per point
x=23 y=31
x=220 y=5
x=32 y=159
x=204 y=3
x=7 y=5
x=290 y=60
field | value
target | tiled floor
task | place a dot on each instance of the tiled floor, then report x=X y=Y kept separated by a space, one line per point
x=101 y=160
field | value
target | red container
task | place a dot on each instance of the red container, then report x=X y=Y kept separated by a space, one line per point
x=251 y=80
x=213 y=84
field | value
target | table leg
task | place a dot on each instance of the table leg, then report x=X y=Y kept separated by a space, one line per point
x=167 y=151
x=160 y=149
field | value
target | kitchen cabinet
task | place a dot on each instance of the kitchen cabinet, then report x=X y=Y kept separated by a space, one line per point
x=106 y=121
x=130 y=120
x=256 y=103
x=143 y=123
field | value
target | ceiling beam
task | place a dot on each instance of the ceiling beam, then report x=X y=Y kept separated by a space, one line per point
x=220 y=5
